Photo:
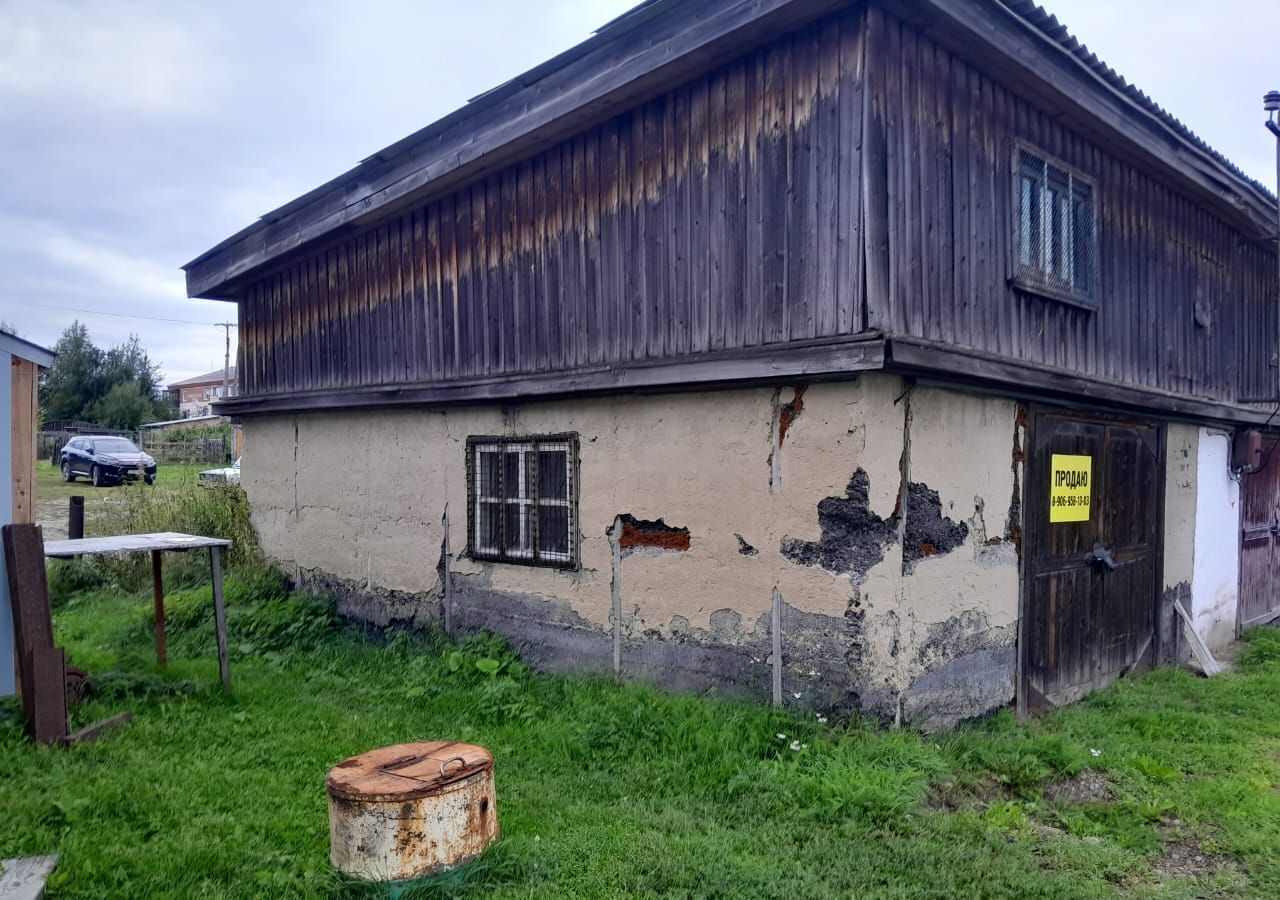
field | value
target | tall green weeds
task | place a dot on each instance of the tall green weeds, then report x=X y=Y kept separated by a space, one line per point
x=221 y=512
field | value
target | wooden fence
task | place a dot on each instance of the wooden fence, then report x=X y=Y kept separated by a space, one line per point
x=198 y=450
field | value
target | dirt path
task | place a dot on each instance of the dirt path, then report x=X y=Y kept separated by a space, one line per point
x=52 y=514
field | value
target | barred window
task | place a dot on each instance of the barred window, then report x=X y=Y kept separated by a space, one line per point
x=522 y=498
x=1057 y=240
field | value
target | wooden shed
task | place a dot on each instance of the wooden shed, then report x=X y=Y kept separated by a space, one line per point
x=882 y=354
x=20 y=363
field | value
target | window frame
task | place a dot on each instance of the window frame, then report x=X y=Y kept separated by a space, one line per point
x=1040 y=285
x=568 y=443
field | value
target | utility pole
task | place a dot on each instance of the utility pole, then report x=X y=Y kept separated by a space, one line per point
x=226 y=360
x=1271 y=105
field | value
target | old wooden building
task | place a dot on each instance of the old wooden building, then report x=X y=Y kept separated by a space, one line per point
x=882 y=354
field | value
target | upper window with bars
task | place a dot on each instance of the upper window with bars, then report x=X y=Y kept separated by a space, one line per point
x=1057 y=237
x=522 y=498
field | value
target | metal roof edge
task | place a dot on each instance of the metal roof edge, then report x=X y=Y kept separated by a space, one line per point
x=25 y=349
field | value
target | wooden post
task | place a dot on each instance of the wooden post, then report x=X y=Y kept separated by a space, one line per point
x=157 y=593
x=75 y=517
x=220 y=615
x=23 y=414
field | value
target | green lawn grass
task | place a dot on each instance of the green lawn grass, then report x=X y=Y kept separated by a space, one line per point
x=612 y=789
x=49 y=483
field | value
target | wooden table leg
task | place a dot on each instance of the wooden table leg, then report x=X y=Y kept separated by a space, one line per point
x=157 y=590
x=220 y=615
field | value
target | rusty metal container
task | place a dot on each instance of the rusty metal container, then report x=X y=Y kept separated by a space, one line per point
x=411 y=810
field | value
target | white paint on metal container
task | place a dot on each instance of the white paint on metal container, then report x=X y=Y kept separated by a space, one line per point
x=411 y=810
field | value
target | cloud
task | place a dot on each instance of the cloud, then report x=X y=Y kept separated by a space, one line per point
x=106 y=56
x=118 y=273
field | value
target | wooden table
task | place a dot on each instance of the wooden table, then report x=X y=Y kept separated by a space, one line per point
x=156 y=544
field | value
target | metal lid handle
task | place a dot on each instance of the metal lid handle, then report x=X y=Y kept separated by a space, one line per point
x=462 y=760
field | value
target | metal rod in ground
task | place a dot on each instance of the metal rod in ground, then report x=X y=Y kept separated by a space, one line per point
x=447 y=578
x=615 y=590
x=776 y=636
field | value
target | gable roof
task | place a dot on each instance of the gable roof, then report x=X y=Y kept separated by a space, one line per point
x=207 y=378
x=659 y=43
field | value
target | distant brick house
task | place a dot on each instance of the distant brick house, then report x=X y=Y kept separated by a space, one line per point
x=195 y=396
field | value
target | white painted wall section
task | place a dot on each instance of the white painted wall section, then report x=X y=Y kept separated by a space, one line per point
x=1216 y=566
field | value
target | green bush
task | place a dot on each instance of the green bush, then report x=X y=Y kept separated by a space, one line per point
x=68 y=577
x=221 y=512
x=263 y=615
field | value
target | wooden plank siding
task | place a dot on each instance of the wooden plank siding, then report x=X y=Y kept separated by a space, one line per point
x=24 y=412
x=720 y=216
x=849 y=179
x=951 y=133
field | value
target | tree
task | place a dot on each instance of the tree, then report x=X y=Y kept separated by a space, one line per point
x=125 y=406
x=73 y=380
x=129 y=362
x=115 y=389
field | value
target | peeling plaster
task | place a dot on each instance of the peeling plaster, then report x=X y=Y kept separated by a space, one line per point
x=853 y=537
x=643 y=534
x=854 y=609
x=788 y=414
x=928 y=531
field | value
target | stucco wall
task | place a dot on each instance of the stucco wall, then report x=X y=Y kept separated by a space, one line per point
x=356 y=501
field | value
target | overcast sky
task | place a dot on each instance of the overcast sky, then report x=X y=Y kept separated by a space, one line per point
x=136 y=135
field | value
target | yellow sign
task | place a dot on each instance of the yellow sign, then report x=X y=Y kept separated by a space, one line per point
x=1070 y=488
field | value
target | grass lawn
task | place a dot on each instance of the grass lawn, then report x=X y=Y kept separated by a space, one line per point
x=50 y=486
x=1163 y=786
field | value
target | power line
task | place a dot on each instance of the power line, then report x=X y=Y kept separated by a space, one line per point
x=98 y=312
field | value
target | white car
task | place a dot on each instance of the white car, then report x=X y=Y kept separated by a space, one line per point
x=228 y=475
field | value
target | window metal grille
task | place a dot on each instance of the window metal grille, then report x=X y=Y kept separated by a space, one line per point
x=522 y=499
x=1057 y=234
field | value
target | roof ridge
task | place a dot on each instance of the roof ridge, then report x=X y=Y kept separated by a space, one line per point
x=214 y=375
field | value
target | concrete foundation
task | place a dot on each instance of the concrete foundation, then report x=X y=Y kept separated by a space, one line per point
x=886 y=516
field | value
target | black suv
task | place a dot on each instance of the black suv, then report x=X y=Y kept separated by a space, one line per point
x=106 y=460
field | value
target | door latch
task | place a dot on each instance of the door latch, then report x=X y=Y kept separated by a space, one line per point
x=1101 y=556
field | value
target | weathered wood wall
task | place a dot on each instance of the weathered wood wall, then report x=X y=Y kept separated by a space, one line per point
x=850 y=177
x=940 y=141
x=725 y=214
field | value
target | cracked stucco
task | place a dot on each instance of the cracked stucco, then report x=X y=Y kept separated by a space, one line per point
x=366 y=502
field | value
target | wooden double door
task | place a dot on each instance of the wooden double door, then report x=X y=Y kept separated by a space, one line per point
x=1092 y=566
